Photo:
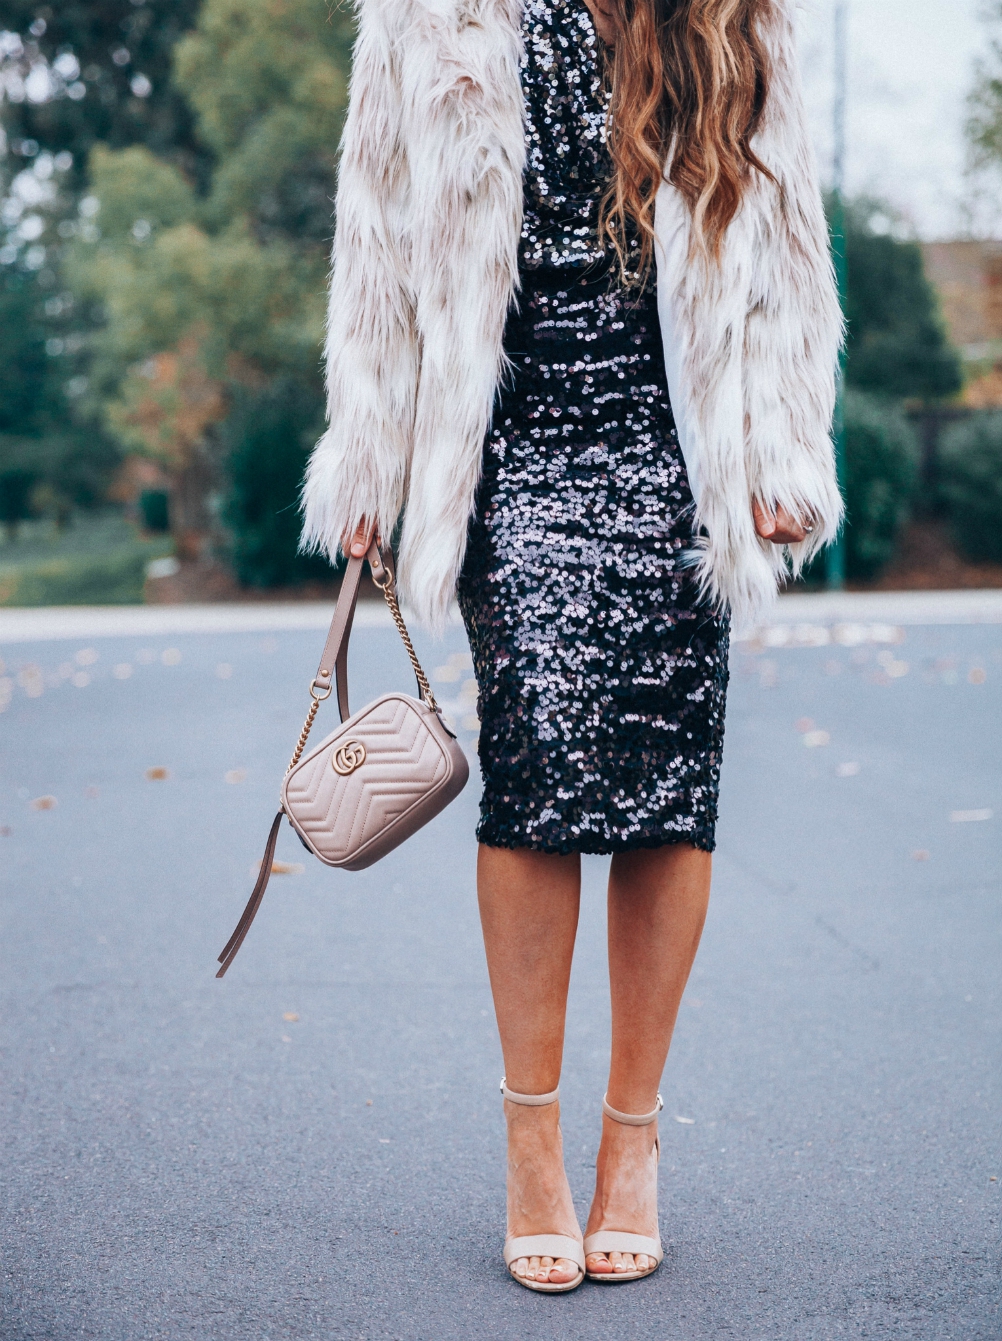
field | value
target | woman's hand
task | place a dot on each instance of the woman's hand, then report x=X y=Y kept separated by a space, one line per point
x=357 y=546
x=779 y=526
x=606 y=20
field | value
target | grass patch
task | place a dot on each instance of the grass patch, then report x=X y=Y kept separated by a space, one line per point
x=95 y=560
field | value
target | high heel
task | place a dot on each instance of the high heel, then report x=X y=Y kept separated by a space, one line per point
x=613 y=1241
x=542 y=1245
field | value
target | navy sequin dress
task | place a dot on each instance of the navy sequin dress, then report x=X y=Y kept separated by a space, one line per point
x=602 y=678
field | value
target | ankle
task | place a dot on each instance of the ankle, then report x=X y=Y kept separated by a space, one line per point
x=534 y=1117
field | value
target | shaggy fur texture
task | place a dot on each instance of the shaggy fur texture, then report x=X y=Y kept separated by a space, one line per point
x=429 y=210
x=751 y=353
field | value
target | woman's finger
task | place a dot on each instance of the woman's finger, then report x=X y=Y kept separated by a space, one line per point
x=358 y=544
x=781 y=527
x=789 y=529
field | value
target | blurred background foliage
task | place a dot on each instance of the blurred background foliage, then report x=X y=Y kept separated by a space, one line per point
x=166 y=187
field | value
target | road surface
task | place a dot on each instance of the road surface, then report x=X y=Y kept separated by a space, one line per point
x=313 y=1147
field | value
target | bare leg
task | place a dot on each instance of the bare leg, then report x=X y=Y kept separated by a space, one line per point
x=657 y=907
x=529 y=911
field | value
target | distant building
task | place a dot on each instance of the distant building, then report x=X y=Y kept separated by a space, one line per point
x=968 y=279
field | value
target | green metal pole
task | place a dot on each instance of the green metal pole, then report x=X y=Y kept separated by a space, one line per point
x=835 y=554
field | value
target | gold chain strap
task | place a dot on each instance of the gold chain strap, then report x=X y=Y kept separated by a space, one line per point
x=307 y=725
x=387 y=588
x=390 y=594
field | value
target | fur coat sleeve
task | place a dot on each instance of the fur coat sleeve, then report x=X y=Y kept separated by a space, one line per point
x=751 y=351
x=429 y=210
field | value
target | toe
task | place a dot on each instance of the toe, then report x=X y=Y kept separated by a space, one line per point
x=563 y=1271
x=534 y=1272
x=520 y=1266
x=545 y=1267
x=598 y=1263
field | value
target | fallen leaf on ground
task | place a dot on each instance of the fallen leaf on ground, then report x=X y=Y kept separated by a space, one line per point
x=157 y=774
x=44 y=803
x=291 y=1016
x=812 y=739
x=280 y=868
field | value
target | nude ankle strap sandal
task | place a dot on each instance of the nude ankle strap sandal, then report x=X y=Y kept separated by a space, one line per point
x=542 y=1245
x=613 y=1241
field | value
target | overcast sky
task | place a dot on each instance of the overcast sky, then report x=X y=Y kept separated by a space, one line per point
x=911 y=64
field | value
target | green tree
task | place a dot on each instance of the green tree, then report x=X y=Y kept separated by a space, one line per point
x=881 y=472
x=984 y=104
x=74 y=74
x=269 y=434
x=896 y=342
x=209 y=296
x=83 y=72
x=972 y=485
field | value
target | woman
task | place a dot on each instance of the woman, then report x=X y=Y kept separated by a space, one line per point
x=606 y=466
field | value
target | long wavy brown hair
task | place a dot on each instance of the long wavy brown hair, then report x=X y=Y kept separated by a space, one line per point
x=689 y=78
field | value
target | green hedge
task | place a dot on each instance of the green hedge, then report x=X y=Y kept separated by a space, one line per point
x=970 y=469
x=881 y=473
x=269 y=435
x=95 y=559
x=107 y=579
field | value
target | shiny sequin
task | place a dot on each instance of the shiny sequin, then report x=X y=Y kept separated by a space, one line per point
x=565 y=112
x=602 y=678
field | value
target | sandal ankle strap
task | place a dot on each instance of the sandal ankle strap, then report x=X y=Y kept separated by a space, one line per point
x=530 y=1100
x=633 y=1119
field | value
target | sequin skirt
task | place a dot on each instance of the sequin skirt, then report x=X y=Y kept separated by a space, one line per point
x=601 y=677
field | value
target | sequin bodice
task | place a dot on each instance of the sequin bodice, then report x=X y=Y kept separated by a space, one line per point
x=602 y=672
x=567 y=164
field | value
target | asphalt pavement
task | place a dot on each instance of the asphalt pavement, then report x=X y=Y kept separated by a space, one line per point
x=313 y=1147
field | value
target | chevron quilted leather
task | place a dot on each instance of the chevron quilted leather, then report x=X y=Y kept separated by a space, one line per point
x=374 y=781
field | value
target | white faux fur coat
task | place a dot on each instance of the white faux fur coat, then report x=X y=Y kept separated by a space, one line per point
x=429 y=210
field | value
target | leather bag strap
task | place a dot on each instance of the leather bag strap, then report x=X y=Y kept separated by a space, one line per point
x=334 y=660
x=229 y=950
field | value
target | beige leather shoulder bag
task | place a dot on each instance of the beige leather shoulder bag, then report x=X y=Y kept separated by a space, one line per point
x=376 y=779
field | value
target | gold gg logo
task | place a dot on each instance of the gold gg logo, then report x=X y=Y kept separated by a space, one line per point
x=347 y=757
